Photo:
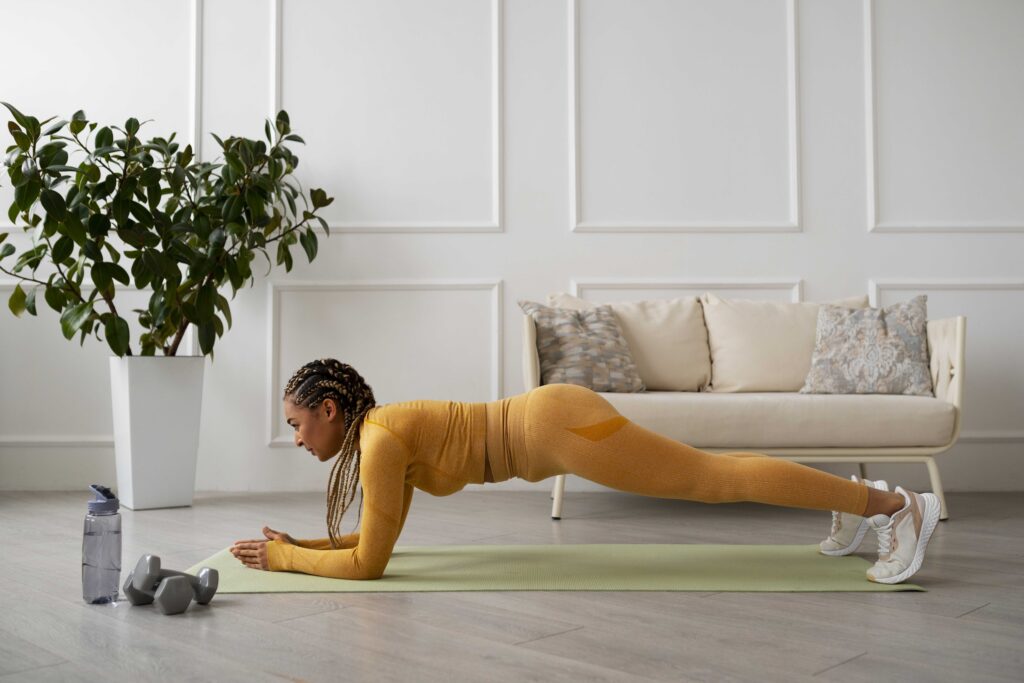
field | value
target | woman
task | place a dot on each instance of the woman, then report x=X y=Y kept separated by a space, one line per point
x=440 y=446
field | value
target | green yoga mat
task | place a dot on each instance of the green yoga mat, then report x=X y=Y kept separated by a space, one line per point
x=577 y=567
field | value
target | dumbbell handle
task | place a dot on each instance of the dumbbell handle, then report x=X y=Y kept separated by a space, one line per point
x=193 y=579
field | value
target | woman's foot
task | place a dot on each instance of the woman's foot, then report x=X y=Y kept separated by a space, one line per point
x=903 y=536
x=848 y=529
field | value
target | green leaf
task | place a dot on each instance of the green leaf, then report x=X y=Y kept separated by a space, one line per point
x=54 y=298
x=206 y=300
x=224 y=308
x=58 y=168
x=17 y=301
x=309 y=243
x=18 y=116
x=233 y=274
x=27 y=194
x=62 y=249
x=191 y=314
x=73 y=318
x=21 y=139
x=99 y=226
x=283 y=123
x=153 y=194
x=55 y=127
x=104 y=138
x=30 y=301
x=6 y=251
x=255 y=202
x=266 y=130
x=142 y=214
x=116 y=329
x=151 y=176
x=32 y=127
x=101 y=276
x=92 y=251
x=131 y=126
x=294 y=138
x=320 y=198
x=53 y=203
x=206 y=337
x=77 y=125
x=118 y=273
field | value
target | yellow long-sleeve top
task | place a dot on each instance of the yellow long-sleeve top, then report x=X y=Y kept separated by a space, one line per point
x=435 y=446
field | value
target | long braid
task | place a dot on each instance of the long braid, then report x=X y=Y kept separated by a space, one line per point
x=309 y=387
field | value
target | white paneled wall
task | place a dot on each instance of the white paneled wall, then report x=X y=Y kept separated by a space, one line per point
x=487 y=151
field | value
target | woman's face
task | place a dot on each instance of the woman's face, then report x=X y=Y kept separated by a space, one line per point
x=320 y=430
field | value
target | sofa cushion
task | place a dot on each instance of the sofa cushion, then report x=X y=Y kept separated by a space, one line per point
x=584 y=347
x=762 y=345
x=872 y=350
x=749 y=421
x=667 y=337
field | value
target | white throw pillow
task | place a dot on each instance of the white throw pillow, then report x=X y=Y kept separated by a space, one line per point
x=666 y=336
x=762 y=345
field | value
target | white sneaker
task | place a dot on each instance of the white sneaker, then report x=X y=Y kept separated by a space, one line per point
x=903 y=537
x=848 y=529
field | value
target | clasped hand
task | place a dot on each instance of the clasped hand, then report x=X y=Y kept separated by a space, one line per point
x=253 y=552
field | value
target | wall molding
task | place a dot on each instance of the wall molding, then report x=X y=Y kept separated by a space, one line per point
x=7 y=285
x=793 y=285
x=495 y=223
x=871 y=148
x=792 y=224
x=971 y=284
x=195 y=70
x=273 y=343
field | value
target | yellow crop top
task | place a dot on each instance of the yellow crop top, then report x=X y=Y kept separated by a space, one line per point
x=435 y=446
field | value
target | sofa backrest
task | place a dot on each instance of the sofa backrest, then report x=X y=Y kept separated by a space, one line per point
x=708 y=343
x=761 y=345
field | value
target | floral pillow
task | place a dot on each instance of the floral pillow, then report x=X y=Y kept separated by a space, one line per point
x=584 y=347
x=871 y=350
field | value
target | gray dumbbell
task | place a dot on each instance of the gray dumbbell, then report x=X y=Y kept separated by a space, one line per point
x=149 y=583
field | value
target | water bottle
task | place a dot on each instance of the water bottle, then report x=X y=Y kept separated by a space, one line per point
x=101 y=548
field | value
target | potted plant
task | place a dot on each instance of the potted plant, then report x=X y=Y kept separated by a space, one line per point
x=107 y=204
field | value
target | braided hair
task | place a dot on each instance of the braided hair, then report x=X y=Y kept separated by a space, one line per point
x=327 y=378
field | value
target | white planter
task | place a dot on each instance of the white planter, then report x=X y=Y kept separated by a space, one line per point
x=157 y=402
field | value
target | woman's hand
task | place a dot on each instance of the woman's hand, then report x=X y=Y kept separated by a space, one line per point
x=253 y=553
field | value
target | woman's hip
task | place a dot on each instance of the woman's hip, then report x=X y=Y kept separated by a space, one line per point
x=558 y=417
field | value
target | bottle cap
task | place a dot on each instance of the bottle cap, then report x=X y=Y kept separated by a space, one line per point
x=105 y=502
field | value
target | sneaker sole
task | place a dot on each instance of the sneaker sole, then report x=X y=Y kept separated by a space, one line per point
x=854 y=544
x=931 y=518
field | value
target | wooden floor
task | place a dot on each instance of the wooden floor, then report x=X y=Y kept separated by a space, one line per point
x=969 y=626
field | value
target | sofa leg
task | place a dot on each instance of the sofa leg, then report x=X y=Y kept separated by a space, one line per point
x=558 y=491
x=933 y=472
x=863 y=470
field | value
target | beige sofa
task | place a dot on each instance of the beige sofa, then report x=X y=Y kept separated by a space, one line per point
x=724 y=375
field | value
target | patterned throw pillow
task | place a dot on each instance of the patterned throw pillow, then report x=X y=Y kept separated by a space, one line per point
x=584 y=347
x=871 y=350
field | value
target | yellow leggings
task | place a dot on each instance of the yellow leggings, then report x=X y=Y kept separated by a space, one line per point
x=568 y=428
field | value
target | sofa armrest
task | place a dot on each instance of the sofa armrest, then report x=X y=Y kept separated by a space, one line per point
x=531 y=359
x=946 y=353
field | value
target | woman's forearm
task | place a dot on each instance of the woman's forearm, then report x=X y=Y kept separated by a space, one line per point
x=335 y=564
x=347 y=541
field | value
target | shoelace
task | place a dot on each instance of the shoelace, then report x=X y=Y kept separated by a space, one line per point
x=835 y=524
x=884 y=538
